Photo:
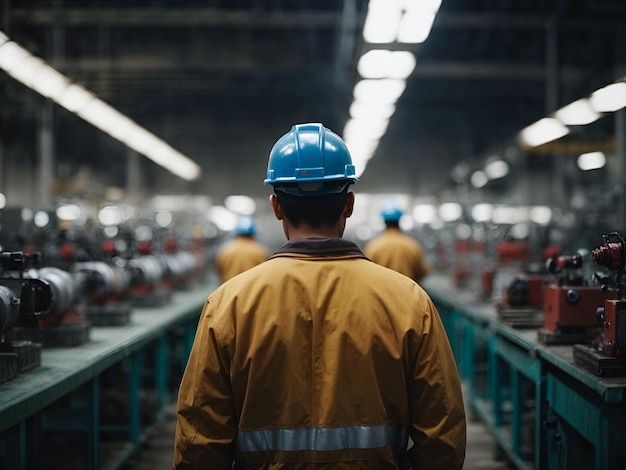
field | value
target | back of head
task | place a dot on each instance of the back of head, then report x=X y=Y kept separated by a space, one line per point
x=310 y=168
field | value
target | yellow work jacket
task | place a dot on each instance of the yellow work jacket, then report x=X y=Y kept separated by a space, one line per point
x=238 y=255
x=319 y=358
x=396 y=250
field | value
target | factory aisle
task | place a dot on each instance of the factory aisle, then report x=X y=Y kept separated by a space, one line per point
x=157 y=451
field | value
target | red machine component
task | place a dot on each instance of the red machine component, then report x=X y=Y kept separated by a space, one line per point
x=569 y=310
x=572 y=309
x=524 y=291
x=612 y=316
x=513 y=251
x=613 y=322
x=607 y=355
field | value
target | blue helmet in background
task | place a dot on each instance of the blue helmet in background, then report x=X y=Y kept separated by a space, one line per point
x=245 y=226
x=308 y=157
x=391 y=212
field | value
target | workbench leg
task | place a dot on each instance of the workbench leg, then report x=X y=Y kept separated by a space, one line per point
x=161 y=372
x=603 y=443
x=93 y=425
x=540 y=418
x=13 y=446
x=518 y=406
x=495 y=382
x=135 y=386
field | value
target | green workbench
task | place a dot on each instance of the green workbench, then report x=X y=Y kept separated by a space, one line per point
x=90 y=406
x=544 y=411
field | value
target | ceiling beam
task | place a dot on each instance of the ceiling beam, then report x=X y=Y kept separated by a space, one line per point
x=175 y=17
x=466 y=70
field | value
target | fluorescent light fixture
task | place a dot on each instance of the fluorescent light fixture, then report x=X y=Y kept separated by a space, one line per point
x=415 y=26
x=3 y=198
x=366 y=128
x=608 y=99
x=382 y=20
x=223 y=219
x=541 y=215
x=74 y=97
x=422 y=5
x=240 y=204
x=496 y=169
x=578 y=113
x=424 y=213
x=385 y=91
x=543 y=131
x=163 y=218
x=591 y=161
x=509 y=214
x=69 y=212
x=11 y=54
x=381 y=63
x=482 y=212
x=479 y=179
x=110 y=215
x=41 y=219
x=37 y=75
x=520 y=231
x=450 y=211
x=359 y=109
x=361 y=150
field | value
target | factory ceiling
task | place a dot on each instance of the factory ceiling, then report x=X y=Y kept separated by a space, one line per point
x=221 y=80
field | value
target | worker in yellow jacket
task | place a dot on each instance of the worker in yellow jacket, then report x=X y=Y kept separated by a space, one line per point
x=395 y=249
x=240 y=253
x=319 y=358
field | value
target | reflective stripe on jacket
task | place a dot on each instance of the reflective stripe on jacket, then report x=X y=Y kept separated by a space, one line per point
x=319 y=356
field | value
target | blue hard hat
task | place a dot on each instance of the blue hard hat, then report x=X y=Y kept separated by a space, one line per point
x=245 y=226
x=391 y=212
x=308 y=156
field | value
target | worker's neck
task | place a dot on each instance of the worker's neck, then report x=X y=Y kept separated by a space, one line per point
x=304 y=231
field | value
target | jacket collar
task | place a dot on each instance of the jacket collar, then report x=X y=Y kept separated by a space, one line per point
x=320 y=246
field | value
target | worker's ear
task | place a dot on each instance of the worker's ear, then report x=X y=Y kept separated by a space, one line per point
x=349 y=208
x=278 y=211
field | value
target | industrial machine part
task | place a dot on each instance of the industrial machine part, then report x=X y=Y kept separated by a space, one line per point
x=22 y=299
x=570 y=303
x=607 y=355
x=612 y=316
x=521 y=303
x=103 y=292
x=64 y=324
x=524 y=291
x=147 y=286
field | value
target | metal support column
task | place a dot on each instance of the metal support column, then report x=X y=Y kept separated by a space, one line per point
x=46 y=155
x=93 y=424
x=552 y=102
x=133 y=177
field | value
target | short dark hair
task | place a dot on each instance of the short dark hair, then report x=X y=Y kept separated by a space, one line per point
x=314 y=211
x=392 y=223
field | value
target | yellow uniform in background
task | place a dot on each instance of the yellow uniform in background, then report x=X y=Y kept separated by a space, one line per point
x=238 y=255
x=396 y=250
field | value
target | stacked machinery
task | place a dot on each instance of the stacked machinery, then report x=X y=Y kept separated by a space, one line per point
x=607 y=356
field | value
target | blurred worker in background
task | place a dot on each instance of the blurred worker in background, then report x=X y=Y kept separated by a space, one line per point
x=319 y=358
x=395 y=249
x=241 y=253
